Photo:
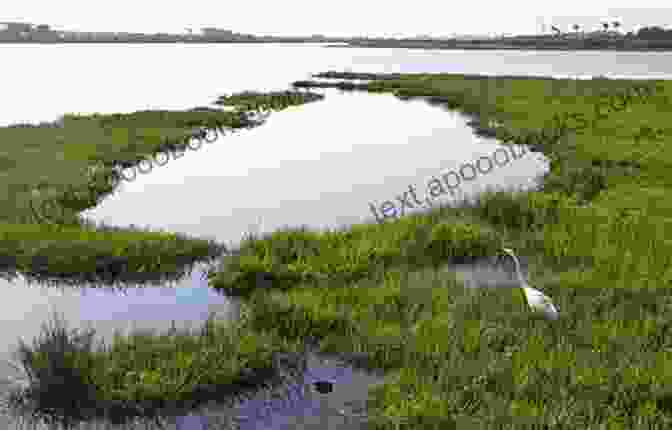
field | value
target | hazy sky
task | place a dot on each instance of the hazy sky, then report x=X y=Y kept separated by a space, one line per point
x=340 y=18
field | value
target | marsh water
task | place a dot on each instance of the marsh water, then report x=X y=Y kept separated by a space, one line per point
x=319 y=165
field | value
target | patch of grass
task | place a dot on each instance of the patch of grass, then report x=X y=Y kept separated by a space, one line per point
x=89 y=254
x=294 y=255
x=275 y=100
x=146 y=374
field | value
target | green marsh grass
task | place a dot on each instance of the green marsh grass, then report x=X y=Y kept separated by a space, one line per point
x=69 y=170
x=296 y=255
x=595 y=238
x=595 y=235
x=143 y=374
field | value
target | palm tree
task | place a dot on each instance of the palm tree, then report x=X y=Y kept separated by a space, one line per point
x=606 y=26
x=576 y=28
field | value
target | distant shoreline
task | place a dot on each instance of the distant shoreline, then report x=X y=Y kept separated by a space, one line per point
x=63 y=42
x=400 y=45
x=531 y=44
x=538 y=45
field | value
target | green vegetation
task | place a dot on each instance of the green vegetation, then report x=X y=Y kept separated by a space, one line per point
x=70 y=379
x=596 y=242
x=293 y=256
x=139 y=375
x=255 y=101
x=475 y=358
x=72 y=168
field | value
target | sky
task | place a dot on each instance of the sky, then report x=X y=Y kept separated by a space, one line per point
x=342 y=18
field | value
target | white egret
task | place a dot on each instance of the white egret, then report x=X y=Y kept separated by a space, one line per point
x=536 y=300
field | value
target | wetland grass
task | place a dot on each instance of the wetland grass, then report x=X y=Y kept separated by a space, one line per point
x=473 y=358
x=67 y=380
x=145 y=374
x=457 y=357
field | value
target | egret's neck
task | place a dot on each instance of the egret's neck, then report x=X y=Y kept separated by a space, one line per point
x=518 y=272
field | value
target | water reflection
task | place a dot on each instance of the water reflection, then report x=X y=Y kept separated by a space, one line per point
x=300 y=404
x=316 y=165
x=186 y=302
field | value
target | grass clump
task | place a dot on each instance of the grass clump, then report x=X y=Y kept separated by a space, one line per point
x=276 y=100
x=146 y=374
x=300 y=255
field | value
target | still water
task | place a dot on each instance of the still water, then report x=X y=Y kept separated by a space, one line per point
x=321 y=165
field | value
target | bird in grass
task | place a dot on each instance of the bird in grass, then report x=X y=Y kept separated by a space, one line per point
x=536 y=300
